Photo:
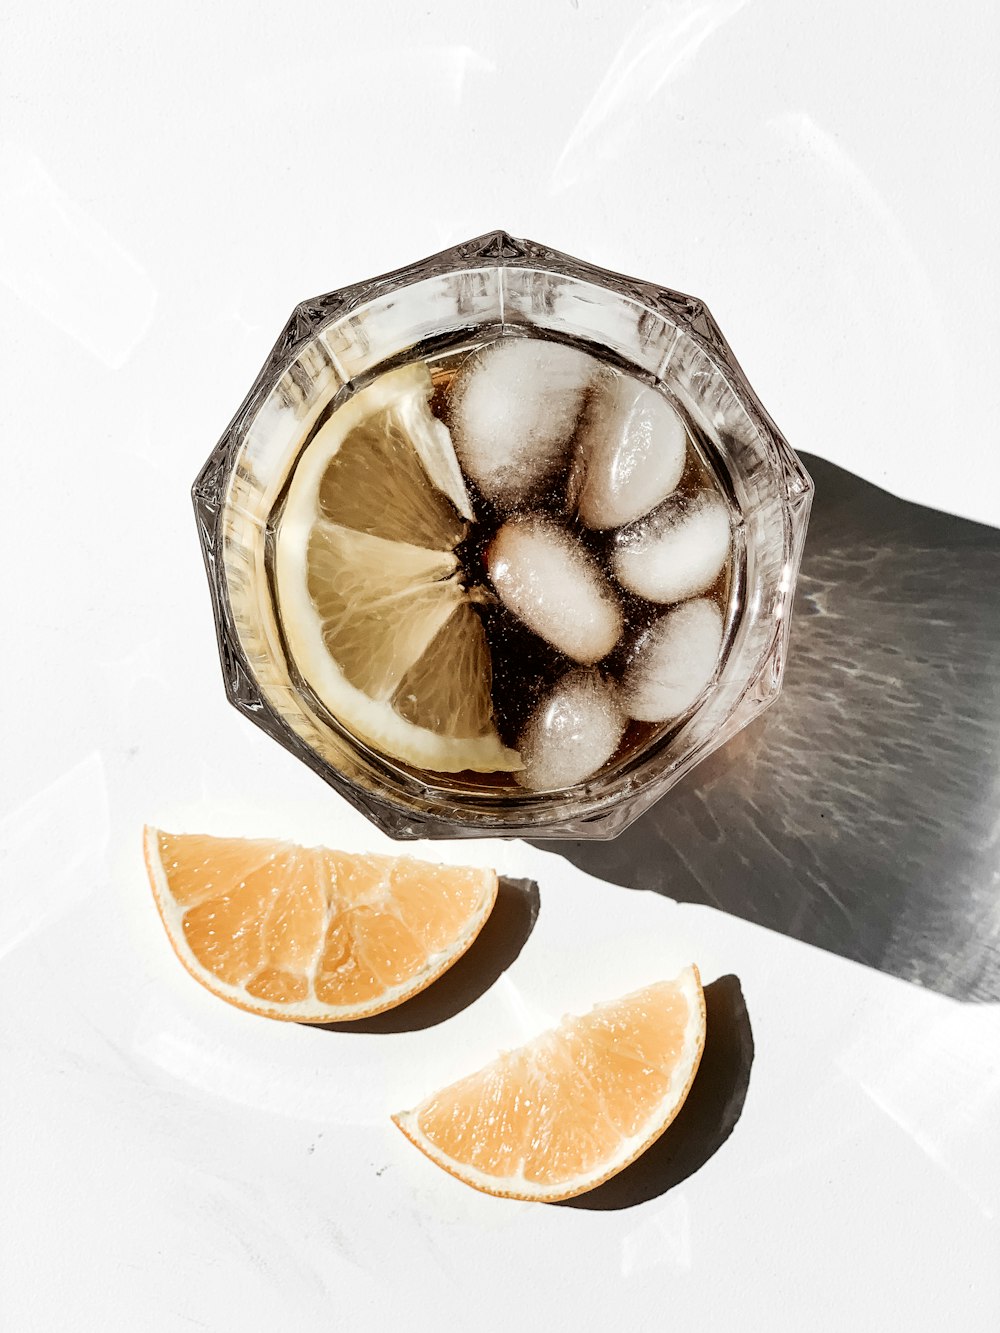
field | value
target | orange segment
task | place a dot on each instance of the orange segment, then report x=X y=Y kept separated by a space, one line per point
x=433 y=910
x=624 y=1086
x=292 y=933
x=222 y=862
x=479 y=1120
x=224 y=932
x=576 y=1105
x=343 y=978
x=388 y=948
x=278 y=987
x=307 y=933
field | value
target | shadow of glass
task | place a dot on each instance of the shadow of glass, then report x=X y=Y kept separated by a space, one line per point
x=496 y=946
x=859 y=814
x=707 y=1118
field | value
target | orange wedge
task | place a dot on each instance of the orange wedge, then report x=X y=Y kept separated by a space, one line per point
x=309 y=934
x=576 y=1105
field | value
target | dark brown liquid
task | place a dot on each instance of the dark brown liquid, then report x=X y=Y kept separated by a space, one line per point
x=525 y=667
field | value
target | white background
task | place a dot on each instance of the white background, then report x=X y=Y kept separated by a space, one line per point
x=172 y=182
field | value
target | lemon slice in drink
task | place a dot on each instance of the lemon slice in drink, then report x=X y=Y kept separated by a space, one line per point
x=370 y=593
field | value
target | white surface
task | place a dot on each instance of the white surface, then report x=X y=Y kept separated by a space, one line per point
x=171 y=183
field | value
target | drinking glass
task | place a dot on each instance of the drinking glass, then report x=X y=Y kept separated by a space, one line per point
x=470 y=294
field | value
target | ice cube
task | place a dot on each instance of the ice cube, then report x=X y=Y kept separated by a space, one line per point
x=677 y=551
x=513 y=409
x=630 y=452
x=545 y=577
x=672 y=662
x=573 y=732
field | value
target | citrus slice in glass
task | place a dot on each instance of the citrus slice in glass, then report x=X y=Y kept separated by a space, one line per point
x=310 y=934
x=370 y=593
x=576 y=1105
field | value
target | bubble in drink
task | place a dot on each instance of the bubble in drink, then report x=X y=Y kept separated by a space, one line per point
x=572 y=733
x=676 y=552
x=547 y=579
x=514 y=407
x=672 y=662
x=630 y=453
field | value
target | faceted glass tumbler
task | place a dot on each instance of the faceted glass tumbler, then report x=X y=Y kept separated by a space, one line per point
x=337 y=343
